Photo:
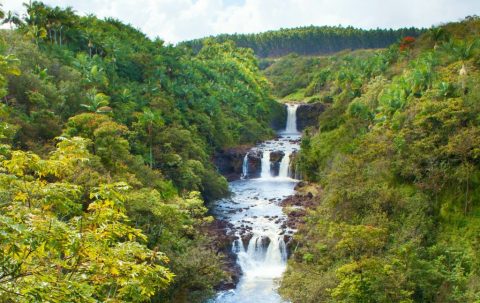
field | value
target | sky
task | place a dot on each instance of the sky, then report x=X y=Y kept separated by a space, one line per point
x=179 y=20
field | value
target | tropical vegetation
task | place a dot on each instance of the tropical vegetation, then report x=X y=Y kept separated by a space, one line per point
x=395 y=157
x=310 y=40
x=106 y=139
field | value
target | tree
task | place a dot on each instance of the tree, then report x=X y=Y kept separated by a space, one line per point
x=97 y=102
x=437 y=35
x=36 y=33
x=52 y=251
x=8 y=66
x=462 y=50
x=150 y=119
x=12 y=18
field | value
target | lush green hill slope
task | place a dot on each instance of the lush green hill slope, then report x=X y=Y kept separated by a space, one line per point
x=396 y=160
x=106 y=140
x=310 y=40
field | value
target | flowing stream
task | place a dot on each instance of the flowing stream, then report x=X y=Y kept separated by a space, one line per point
x=258 y=220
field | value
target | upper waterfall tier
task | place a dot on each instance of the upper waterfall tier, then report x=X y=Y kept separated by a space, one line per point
x=291 y=127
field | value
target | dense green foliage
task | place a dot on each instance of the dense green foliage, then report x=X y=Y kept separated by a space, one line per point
x=290 y=73
x=310 y=40
x=396 y=154
x=106 y=139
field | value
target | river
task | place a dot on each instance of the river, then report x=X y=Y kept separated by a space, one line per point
x=258 y=219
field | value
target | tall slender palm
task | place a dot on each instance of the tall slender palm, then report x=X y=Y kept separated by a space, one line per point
x=464 y=50
x=149 y=119
x=12 y=18
x=437 y=34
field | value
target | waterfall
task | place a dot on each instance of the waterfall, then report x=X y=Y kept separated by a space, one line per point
x=265 y=256
x=276 y=253
x=266 y=165
x=245 y=167
x=291 y=127
x=285 y=165
x=254 y=212
x=237 y=246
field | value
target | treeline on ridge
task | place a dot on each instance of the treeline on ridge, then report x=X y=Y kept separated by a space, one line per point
x=310 y=40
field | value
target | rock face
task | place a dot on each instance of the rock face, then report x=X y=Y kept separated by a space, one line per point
x=229 y=162
x=218 y=230
x=296 y=207
x=254 y=164
x=307 y=115
x=275 y=159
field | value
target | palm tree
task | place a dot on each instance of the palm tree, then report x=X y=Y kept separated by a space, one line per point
x=97 y=102
x=12 y=18
x=437 y=34
x=462 y=50
x=36 y=33
x=149 y=118
x=445 y=89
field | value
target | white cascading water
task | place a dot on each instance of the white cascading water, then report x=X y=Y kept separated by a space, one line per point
x=259 y=222
x=285 y=166
x=291 y=119
x=266 y=165
x=245 y=167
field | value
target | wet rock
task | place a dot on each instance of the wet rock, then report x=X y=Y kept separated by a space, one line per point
x=265 y=241
x=219 y=231
x=289 y=243
x=300 y=185
x=230 y=161
x=254 y=163
x=275 y=159
x=303 y=202
x=246 y=239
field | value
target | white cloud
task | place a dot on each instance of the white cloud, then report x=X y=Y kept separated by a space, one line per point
x=177 y=20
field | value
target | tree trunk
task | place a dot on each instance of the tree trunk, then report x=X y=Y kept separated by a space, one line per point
x=151 y=143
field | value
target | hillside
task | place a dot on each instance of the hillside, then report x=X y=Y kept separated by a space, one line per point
x=106 y=139
x=108 y=188
x=310 y=40
x=393 y=168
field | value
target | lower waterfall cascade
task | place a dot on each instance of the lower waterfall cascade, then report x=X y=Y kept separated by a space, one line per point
x=258 y=221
